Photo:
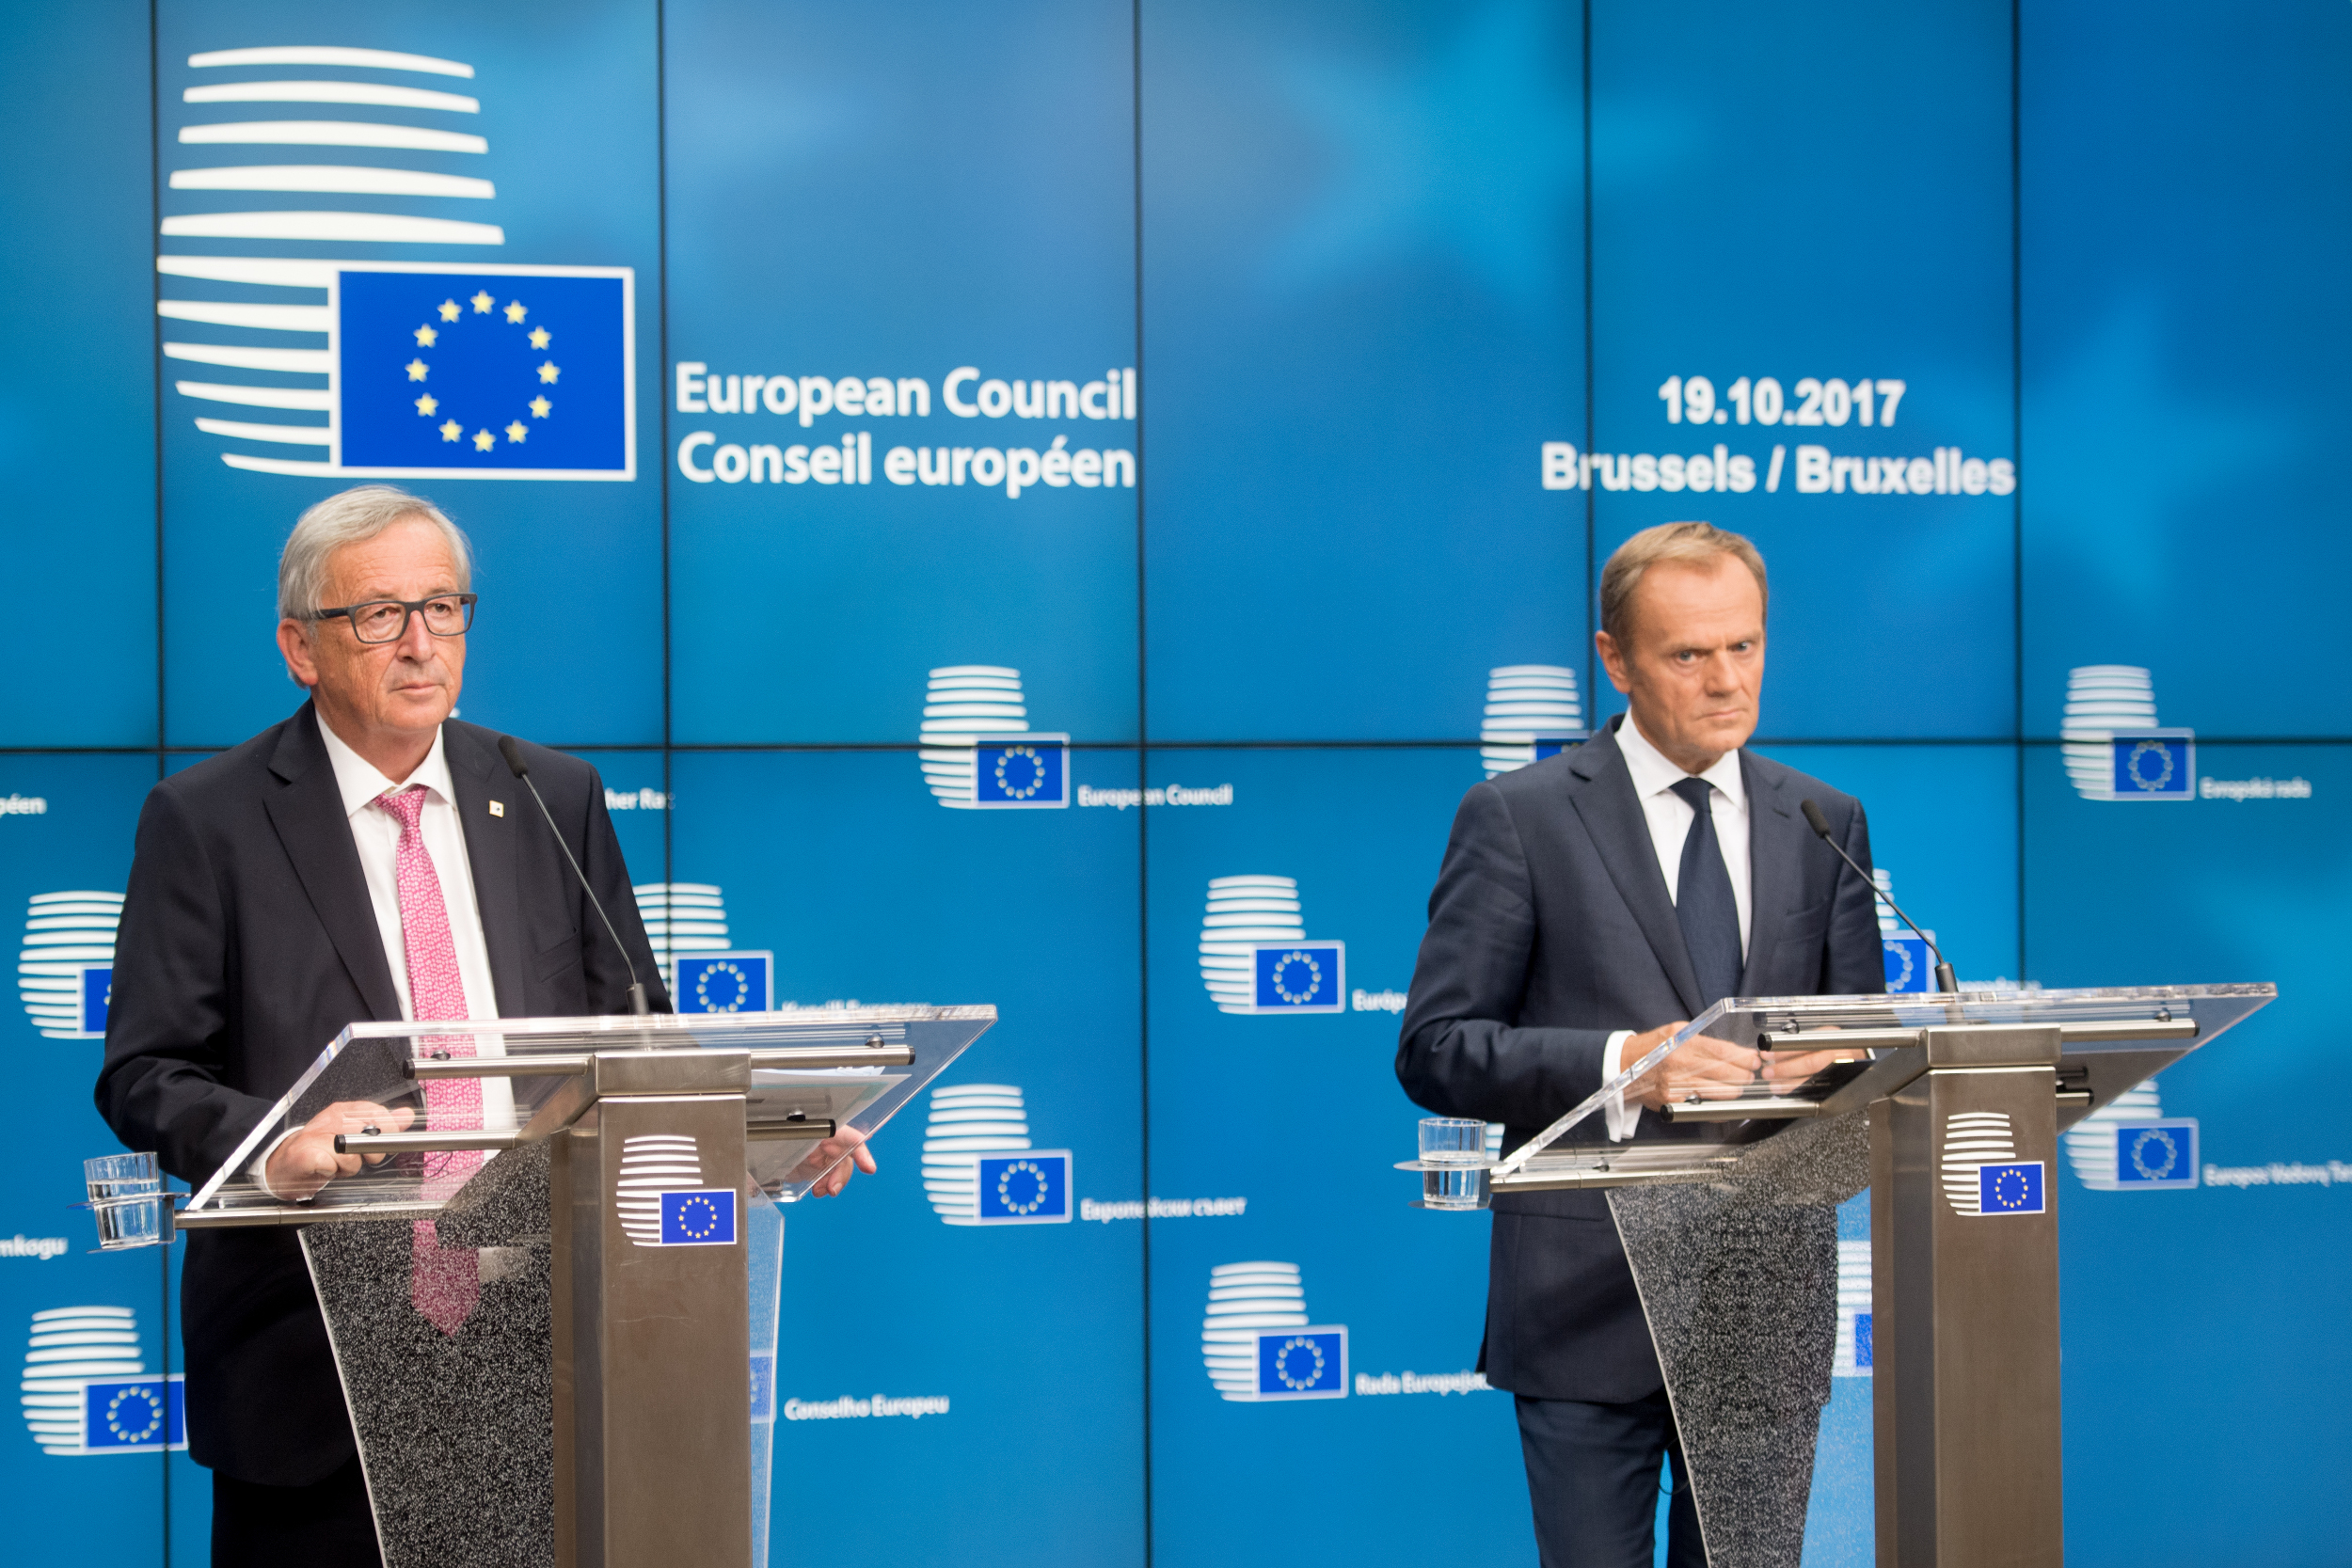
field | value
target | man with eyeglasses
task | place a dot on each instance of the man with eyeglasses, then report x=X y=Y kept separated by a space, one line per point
x=364 y=859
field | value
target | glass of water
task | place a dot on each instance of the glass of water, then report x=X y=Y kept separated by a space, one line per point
x=126 y=1197
x=1458 y=1148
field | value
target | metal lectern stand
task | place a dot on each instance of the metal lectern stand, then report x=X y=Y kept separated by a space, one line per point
x=1949 y=1109
x=596 y=1404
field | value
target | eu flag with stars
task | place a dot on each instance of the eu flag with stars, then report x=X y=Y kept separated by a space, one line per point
x=1014 y=771
x=133 y=1415
x=98 y=991
x=704 y=1218
x=1302 y=1364
x=725 y=983
x=1028 y=1188
x=1299 y=978
x=2010 y=1189
x=515 y=373
x=2156 y=1154
x=2155 y=764
x=1552 y=745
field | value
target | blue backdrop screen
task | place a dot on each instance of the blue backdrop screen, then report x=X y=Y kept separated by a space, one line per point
x=1224 y=411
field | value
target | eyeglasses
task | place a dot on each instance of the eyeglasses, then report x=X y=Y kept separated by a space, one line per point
x=386 y=620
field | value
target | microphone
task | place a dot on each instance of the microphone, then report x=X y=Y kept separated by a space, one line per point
x=521 y=769
x=1820 y=824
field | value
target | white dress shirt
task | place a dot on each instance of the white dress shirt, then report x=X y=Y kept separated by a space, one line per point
x=376 y=836
x=1670 y=816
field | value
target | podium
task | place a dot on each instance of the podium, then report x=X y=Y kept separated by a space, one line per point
x=1948 y=1108
x=607 y=1398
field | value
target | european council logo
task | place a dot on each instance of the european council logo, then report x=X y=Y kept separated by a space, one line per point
x=2113 y=746
x=390 y=369
x=655 y=1166
x=1021 y=772
x=69 y=1349
x=64 y=970
x=968 y=1121
x=1309 y=1363
x=1029 y=1188
x=2151 y=1155
x=1533 y=711
x=1299 y=977
x=1974 y=1143
x=1248 y=1301
x=133 y=1415
x=725 y=983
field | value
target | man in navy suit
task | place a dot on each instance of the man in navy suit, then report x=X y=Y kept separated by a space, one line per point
x=287 y=887
x=1587 y=908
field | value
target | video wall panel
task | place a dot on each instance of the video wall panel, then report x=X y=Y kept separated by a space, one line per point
x=1221 y=413
x=2181 y=341
x=903 y=404
x=1362 y=309
x=77 y=393
x=1801 y=247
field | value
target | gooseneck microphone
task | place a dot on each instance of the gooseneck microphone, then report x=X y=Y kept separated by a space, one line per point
x=1945 y=981
x=521 y=769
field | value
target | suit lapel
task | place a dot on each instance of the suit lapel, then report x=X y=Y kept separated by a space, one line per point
x=1775 y=871
x=490 y=851
x=309 y=817
x=1620 y=834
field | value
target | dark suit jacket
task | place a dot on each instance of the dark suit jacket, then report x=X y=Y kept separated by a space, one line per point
x=247 y=943
x=1550 y=929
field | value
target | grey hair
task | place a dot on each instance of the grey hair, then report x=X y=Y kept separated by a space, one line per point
x=1690 y=544
x=352 y=518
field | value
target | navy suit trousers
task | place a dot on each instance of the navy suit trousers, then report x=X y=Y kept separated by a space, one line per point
x=1592 y=1474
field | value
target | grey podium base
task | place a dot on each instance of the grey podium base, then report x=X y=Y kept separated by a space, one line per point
x=455 y=1432
x=1739 y=1278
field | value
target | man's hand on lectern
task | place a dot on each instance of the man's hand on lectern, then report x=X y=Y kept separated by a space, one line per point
x=306 y=1161
x=826 y=1157
x=1702 y=1065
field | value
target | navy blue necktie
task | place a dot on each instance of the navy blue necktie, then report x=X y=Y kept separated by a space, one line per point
x=1703 y=902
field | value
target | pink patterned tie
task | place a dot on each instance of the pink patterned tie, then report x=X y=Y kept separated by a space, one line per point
x=444 y=1283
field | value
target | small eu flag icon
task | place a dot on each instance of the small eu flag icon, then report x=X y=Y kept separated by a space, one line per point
x=133 y=1415
x=2156 y=1154
x=704 y=1218
x=1302 y=1364
x=1028 y=1188
x=500 y=372
x=1552 y=745
x=98 y=993
x=2010 y=1189
x=1021 y=772
x=1906 y=962
x=725 y=983
x=2155 y=764
x=1299 y=977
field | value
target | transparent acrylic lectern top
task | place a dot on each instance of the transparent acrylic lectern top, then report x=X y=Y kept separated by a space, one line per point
x=798 y=1095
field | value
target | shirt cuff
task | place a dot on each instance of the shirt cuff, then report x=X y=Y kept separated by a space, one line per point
x=1622 y=1118
x=260 y=1169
